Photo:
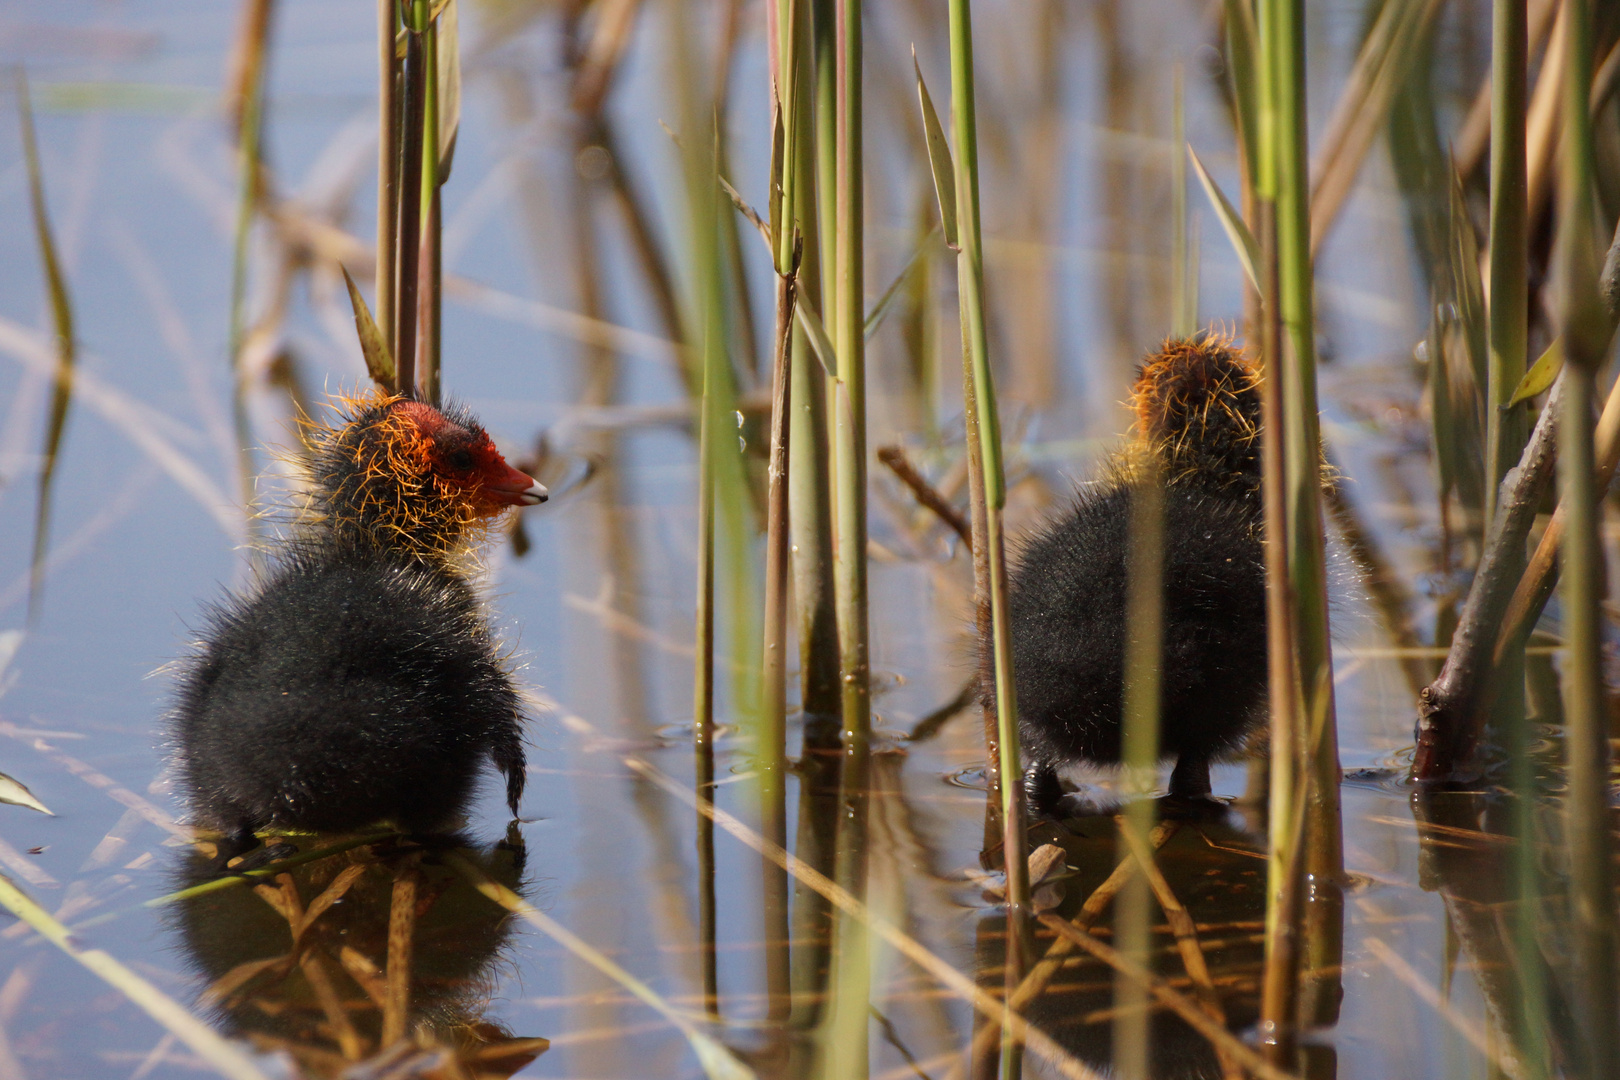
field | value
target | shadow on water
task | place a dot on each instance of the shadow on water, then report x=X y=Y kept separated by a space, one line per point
x=381 y=954
x=1216 y=872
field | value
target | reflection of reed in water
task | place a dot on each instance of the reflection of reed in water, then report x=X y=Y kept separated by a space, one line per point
x=381 y=953
x=1210 y=906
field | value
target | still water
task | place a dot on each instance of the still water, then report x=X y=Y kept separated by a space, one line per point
x=599 y=610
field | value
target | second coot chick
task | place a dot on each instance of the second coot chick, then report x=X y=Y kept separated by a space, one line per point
x=359 y=682
x=1198 y=411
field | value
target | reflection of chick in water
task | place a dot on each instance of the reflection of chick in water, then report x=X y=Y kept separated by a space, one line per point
x=299 y=963
x=1217 y=873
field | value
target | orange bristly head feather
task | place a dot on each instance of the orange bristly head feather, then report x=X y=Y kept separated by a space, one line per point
x=402 y=474
x=1197 y=405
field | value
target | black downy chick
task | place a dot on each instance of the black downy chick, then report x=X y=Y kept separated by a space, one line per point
x=359 y=681
x=1198 y=410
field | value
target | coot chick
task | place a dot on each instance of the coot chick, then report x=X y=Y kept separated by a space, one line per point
x=1197 y=405
x=358 y=681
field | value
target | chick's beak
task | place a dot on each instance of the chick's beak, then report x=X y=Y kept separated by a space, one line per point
x=516 y=488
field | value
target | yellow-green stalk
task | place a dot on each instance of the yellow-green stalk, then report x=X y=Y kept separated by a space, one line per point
x=1586 y=333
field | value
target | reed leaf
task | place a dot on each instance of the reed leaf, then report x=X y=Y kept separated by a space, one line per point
x=939 y=159
x=1540 y=377
x=223 y=1057
x=66 y=350
x=379 y=361
x=14 y=793
x=1243 y=242
x=718 y=1062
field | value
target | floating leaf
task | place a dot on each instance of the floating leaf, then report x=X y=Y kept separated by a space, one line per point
x=1248 y=252
x=1541 y=374
x=378 y=359
x=820 y=343
x=939 y=158
x=14 y=793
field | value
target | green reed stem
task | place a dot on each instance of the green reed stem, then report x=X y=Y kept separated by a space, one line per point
x=849 y=1017
x=1586 y=334
x=771 y=754
x=1505 y=435
x=1285 y=182
x=429 y=292
x=981 y=387
x=809 y=455
x=1505 y=429
x=408 y=242
x=849 y=396
x=1184 y=269
x=249 y=148
x=1144 y=648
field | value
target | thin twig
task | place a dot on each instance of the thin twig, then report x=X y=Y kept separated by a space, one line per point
x=895 y=458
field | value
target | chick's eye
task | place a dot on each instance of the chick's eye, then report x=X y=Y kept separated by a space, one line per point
x=461 y=460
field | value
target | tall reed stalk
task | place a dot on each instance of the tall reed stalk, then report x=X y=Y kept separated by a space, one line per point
x=789 y=115
x=1307 y=732
x=849 y=393
x=388 y=120
x=1586 y=333
x=248 y=89
x=810 y=454
x=845 y=1038
x=979 y=385
x=1505 y=435
x=1144 y=646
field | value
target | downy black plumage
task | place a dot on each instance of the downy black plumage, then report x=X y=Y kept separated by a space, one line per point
x=359 y=682
x=1198 y=412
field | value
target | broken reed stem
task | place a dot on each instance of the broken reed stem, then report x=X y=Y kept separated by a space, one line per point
x=1061 y=1061
x=1450 y=710
x=894 y=457
x=401 y=934
x=1041 y=974
x=1180 y=1004
x=1540 y=578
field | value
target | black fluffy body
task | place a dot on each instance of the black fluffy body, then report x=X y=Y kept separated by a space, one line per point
x=351 y=687
x=1068 y=632
x=359 y=681
x=1198 y=411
